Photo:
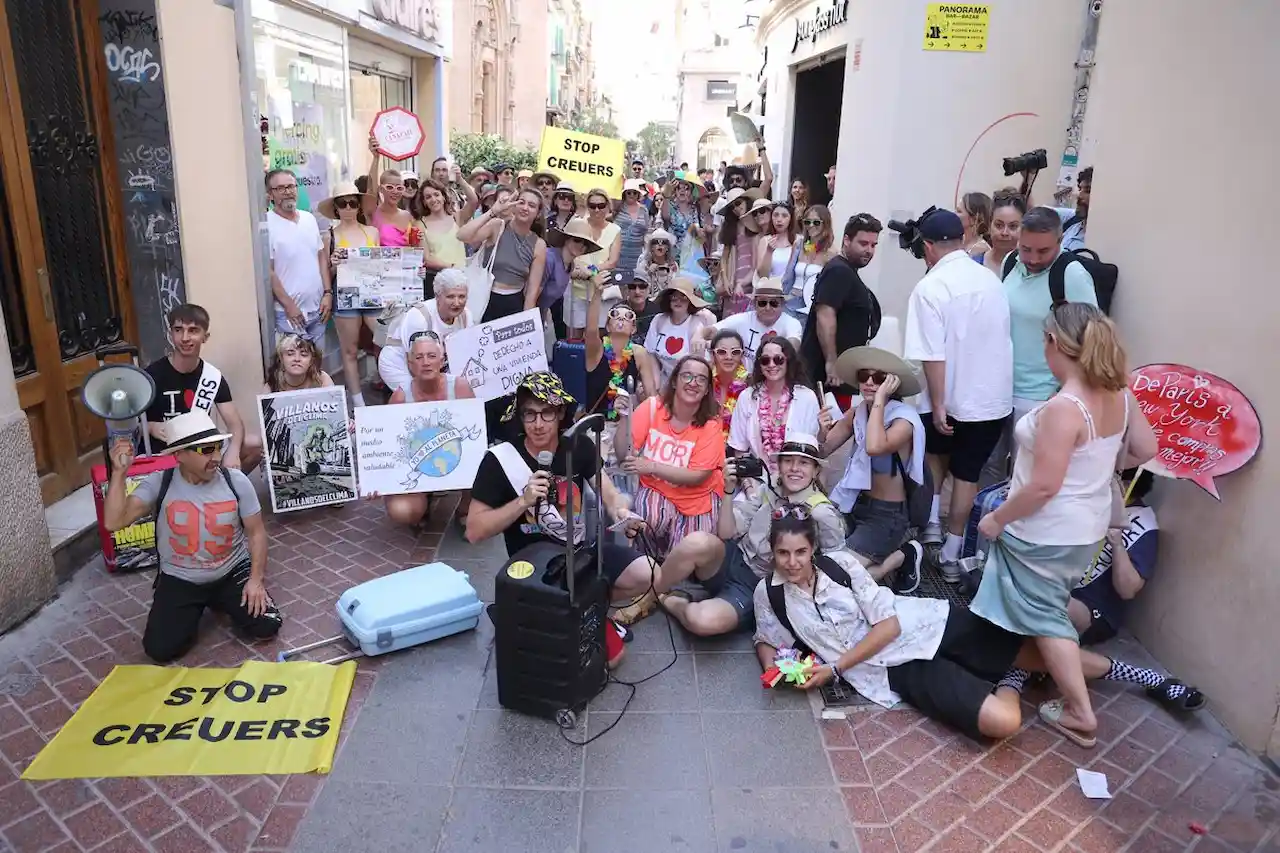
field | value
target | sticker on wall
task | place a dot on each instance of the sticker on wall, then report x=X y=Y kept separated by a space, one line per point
x=957 y=27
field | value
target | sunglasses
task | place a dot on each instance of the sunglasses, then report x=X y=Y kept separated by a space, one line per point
x=765 y=211
x=800 y=513
x=428 y=334
x=768 y=303
x=694 y=378
x=391 y=188
x=770 y=360
x=812 y=222
x=542 y=184
x=729 y=353
x=598 y=206
x=637 y=285
x=206 y=449
x=344 y=203
x=875 y=377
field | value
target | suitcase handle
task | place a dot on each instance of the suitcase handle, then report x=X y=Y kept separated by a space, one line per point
x=284 y=655
x=592 y=423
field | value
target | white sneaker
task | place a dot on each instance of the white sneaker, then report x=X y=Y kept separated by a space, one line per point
x=932 y=534
x=951 y=571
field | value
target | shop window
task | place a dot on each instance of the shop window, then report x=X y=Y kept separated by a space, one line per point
x=301 y=92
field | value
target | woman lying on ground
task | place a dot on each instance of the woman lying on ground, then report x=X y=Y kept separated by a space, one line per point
x=949 y=663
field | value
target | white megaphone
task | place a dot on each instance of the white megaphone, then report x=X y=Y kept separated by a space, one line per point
x=119 y=394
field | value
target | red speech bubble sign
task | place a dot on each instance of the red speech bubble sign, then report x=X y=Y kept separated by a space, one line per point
x=1204 y=425
x=398 y=132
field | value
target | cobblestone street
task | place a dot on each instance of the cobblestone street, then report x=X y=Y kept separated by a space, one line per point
x=704 y=760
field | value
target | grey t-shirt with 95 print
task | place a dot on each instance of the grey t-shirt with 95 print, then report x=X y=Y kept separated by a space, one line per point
x=198 y=530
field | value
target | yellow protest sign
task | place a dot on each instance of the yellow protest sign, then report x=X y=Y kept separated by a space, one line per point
x=586 y=161
x=172 y=721
x=957 y=26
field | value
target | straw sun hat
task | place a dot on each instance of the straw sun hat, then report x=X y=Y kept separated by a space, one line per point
x=874 y=358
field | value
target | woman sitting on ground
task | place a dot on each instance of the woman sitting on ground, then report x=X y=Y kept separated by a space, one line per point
x=779 y=401
x=295 y=366
x=745 y=532
x=731 y=375
x=951 y=664
x=444 y=314
x=888 y=446
x=428 y=383
x=612 y=359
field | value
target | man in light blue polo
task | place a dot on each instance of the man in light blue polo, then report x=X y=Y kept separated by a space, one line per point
x=1027 y=288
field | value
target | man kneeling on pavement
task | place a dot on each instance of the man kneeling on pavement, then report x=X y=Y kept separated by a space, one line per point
x=209 y=533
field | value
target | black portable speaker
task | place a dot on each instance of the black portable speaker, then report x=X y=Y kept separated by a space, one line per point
x=549 y=616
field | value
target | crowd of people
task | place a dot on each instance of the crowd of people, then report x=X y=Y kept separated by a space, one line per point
x=728 y=344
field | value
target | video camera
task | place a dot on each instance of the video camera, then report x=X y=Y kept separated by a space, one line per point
x=1032 y=161
x=909 y=236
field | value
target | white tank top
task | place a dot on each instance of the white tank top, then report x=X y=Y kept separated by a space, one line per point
x=778 y=263
x=806 y=279
x=1081 y=510
x=450 y=392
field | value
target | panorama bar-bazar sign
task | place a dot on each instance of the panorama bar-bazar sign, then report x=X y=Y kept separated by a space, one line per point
x=824 y=18
x=584 y=160
x=267 y=718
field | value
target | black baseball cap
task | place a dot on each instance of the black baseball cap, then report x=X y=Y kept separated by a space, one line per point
x=942 y=226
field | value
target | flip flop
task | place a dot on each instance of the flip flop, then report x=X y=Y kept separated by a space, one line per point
x=1051 y=714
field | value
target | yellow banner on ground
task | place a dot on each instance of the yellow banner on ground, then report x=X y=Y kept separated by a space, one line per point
x=261 y=717
x=587 y=162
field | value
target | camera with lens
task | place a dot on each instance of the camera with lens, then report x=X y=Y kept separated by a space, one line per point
x=909 y=236
x=748 y=467
x=1032 y=161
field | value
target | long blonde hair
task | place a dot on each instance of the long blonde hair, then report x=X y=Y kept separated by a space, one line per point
x=275 y=374
x=1087 y=336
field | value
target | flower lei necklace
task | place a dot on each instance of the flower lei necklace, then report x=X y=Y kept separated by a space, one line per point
x=736 y=387
x=773 y=423
x=618 y=363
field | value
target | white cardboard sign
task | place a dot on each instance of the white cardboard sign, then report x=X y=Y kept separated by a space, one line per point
x=419 y=447
x=495 y=356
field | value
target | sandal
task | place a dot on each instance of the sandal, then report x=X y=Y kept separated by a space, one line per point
x=636 y=610
x=1189 y=699
x=1051 y=714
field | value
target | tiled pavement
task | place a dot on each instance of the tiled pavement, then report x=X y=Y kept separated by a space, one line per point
x=704 y=760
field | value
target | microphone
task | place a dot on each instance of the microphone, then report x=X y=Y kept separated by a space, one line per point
x=544 y=464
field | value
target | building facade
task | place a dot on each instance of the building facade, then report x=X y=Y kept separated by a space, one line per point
x=571 y=71
x=712 y=81
x=493 y=41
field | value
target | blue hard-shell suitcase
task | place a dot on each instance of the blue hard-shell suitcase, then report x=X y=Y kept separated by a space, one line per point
x=569 y=362
x=404 y=609
x=987 y=501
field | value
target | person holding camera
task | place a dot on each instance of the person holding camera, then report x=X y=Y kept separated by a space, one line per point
x=958 y=329
x=722 y=603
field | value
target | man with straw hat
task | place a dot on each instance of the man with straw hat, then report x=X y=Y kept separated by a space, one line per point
x=758 y=325
x=545 y=182
x=209 y=533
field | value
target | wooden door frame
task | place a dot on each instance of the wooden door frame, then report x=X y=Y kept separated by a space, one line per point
x=49 y=385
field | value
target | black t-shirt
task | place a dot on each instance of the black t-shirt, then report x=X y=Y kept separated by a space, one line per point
x=493 y=489
x=176 y=393
x=839 y=286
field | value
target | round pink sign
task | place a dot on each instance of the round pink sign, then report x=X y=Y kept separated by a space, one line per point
x=399 y=133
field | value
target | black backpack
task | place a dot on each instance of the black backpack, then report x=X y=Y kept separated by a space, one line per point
x=1105 y=276
x=778 y=598
x=919 y=495
x=876 y=316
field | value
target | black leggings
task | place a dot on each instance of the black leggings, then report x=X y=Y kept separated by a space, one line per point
x=503 y=305
x=177 y=606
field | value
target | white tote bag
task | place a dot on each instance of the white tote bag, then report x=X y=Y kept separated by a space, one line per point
x=480 y=278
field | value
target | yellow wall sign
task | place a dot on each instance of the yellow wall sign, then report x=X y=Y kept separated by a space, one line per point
x=957 y=26
x=586 y=161
x=171 y=721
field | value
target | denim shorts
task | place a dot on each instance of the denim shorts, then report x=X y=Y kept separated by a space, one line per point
x=879 y=527
x=735 y=582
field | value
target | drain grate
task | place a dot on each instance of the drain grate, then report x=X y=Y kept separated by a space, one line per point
x=838 y=694
x=932 y=585
x=19 y=684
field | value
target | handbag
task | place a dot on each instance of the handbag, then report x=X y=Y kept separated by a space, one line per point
x=480 y=278
x=1119 y=499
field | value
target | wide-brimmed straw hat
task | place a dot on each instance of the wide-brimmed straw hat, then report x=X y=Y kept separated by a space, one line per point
x=193 y=429
x=480 y=170
x=687 y=286
x=733 y=195
x=801 y=444
x=543 y=386
x=874 y=358
x=563 y=187
x=576 y=227
x=524 y=173
x=342 y=189
x=534 y=177
x=762 y=204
